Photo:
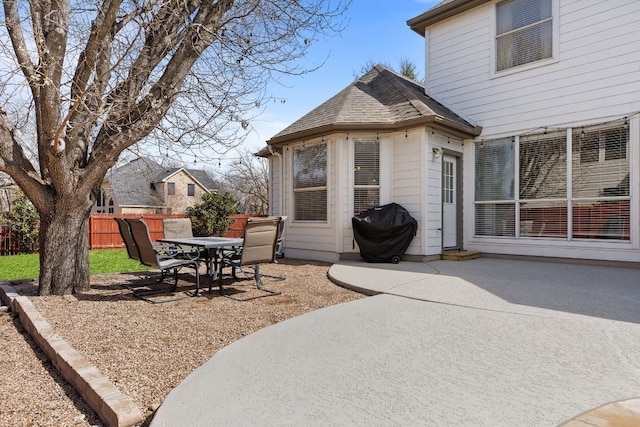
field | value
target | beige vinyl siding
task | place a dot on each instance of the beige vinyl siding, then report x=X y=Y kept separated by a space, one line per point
x=344 y=191
x=275 y=189
x=596 y=69
x=447 y=59
x=407 y=181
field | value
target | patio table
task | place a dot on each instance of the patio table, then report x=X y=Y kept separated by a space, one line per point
x=212 y=246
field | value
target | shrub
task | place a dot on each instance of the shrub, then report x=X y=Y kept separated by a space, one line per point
x=24 y=221
x=211 y=216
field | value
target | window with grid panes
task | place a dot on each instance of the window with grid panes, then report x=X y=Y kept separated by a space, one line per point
x=524 y=32
x=366 y=174
x=598 y=206
x=310 y=182
x=448 y=182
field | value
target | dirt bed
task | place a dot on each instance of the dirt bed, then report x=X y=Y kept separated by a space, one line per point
x=145 y=349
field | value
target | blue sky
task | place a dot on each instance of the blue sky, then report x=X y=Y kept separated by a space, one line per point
x=376 y=31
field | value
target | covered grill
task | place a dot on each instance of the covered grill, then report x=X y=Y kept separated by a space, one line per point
x=384 y=233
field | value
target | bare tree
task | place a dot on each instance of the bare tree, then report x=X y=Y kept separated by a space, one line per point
x=406 y=67
x=96 y=78
x=247 y=180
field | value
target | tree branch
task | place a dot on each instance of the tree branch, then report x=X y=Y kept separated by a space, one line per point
x=12 y=17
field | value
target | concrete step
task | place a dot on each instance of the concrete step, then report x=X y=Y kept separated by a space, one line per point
x=460 y=255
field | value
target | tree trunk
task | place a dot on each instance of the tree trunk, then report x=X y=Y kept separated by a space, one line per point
x=64 y=248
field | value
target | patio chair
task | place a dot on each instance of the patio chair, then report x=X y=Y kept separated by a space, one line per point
x=127 y=238
x=159 y=257
x=181 y=227
x=259 y=246
x=177 y=227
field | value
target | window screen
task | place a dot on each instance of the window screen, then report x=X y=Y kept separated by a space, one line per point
x=523 y=32
x=606 y=174
x=310 y=182
x=493 y=219
x=171 y=188
x=495 y=172
x=543 y=219
x=366 y=175
x=543 y=166
x=494 y=187
x=601 y=186
x=191 y=190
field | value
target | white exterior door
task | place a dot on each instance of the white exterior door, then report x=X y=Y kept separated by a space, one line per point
x=449 y=202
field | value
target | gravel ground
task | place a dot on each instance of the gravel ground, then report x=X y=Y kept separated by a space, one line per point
x=144 y=349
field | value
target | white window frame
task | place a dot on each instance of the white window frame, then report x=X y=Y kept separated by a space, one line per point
x=376 y=187
x=555 y=44
x=321 y=188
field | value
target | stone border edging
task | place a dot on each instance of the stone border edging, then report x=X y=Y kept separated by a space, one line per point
x=111 y=405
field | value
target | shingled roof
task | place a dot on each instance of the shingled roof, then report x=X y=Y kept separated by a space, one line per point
x=131 y=183
x=379 y=100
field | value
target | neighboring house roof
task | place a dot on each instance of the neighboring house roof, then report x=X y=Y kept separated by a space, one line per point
x=198 y=175
x=440 y=12
x=379 y=100
x=131 y=183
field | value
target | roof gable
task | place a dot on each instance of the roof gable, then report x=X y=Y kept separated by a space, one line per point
x=379 y=100
x=199 y=176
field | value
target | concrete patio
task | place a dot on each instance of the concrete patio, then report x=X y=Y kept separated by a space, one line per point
x=484 y=342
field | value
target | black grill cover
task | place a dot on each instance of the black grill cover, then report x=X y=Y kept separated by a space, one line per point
x=384 y=233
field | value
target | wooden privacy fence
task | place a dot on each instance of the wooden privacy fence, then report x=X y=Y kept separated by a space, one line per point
x=8 y=244
x=104 y=233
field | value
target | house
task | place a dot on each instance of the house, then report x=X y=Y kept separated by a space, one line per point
x=143 y=186
x=523 y=141
x=8 y=190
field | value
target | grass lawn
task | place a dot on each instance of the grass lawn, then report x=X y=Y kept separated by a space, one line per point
x=15 y=267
